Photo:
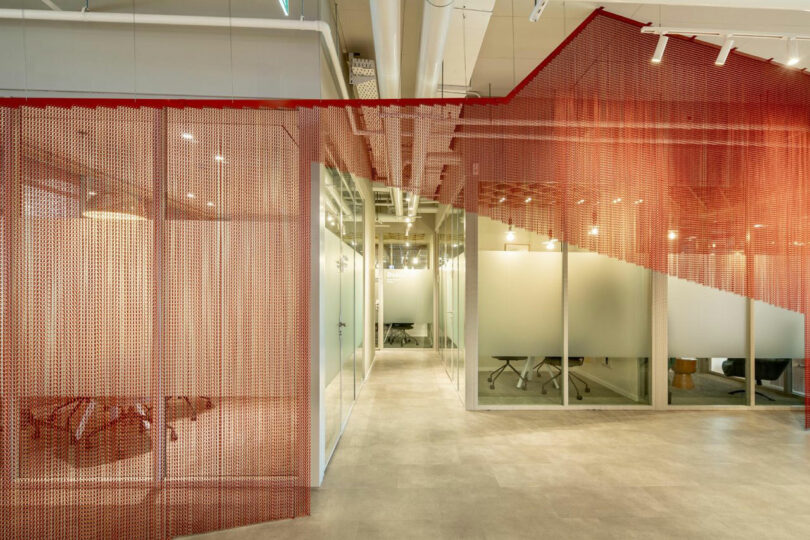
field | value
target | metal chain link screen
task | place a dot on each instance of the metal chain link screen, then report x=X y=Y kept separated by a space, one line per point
x=156 y=254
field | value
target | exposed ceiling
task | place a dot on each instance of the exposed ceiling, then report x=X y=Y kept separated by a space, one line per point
x=512 y=45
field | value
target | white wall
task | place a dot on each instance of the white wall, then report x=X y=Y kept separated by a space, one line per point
x=116 y=60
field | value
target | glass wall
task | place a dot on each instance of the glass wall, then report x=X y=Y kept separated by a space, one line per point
x=609 y=330
x=707 y=345
x=407 y=286
x=341 y=220
x=520 y=318
x=779 y=348
x=451 y=295
x=609 y=310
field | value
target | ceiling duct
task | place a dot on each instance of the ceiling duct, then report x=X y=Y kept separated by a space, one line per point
x=363 y=77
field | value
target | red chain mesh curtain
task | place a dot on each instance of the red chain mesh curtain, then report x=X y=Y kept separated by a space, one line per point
x=156 y=256
x=155 y=321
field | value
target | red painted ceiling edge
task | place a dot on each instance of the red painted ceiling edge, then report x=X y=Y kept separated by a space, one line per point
x=224 y=103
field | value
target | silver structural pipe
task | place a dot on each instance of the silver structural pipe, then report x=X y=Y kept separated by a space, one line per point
x=386 y=25
x=187 y=20
x=436 y=17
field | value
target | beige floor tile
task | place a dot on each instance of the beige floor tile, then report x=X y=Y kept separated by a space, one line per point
x=413 y=463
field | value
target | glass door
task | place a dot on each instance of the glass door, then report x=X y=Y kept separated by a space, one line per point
x=346 y=323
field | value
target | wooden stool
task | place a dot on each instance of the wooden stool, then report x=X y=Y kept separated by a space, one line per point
x=684 y=368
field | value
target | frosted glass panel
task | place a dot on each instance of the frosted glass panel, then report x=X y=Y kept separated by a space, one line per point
x=779 y=346
x=779 y=332
x=520 y=327
x=608 y=330
x=704 y=322
x=331 y=346
x=408 y=296
x=609 y=307
x=519 y=303
x=707 y=345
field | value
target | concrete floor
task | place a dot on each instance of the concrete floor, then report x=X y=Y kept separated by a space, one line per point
x=413 y=464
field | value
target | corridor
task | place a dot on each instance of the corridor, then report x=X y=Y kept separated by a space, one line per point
x=413 y=464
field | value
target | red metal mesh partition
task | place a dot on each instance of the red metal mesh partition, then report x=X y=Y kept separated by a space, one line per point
x=184 y=329
x=156 y=321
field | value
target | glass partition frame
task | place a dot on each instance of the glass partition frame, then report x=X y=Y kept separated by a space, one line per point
x=659 y=373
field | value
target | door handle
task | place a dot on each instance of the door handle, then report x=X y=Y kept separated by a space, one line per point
x=341 y=324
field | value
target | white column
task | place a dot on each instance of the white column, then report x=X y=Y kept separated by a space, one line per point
x=659 y=355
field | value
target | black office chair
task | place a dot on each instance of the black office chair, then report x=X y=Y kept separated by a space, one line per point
x=507 y=360
x=768 y=369
x=555 y=362
x=399 y=331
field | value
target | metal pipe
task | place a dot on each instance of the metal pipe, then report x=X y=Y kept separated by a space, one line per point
x=436 y=17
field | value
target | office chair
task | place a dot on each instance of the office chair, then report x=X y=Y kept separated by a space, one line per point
x=555 y=362
x=768 y=369
x=507 y=360
x=399 y=331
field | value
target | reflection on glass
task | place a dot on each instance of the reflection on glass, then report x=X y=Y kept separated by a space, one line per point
x=331 y=272
x=451 y=294
x=458 y=244
x=342 y=218
x=707 y=345
x=407 y=286
x=344 y=185
x=520 y=316
x=609 y=330
x=779 y=346
x=357 y=244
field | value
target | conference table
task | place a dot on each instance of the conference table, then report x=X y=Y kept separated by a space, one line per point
x=526 y=373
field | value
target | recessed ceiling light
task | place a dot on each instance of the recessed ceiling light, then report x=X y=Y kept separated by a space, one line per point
x=638 y=201
x=187 y=136
x=91 y=193
x=210 y=203
x=594 y=231
x=617 y=200
x=759 y=226
x=793 y=52
x=672 y=235
x=528 y=199
x=580 y=201
x=219 y=158
x=501 y=199
x=190 y=195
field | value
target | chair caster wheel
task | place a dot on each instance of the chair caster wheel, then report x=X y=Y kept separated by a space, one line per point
x=492 y=387
x=587 y=389
x=543 y=391
x=489 y=379
x=579 y=398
